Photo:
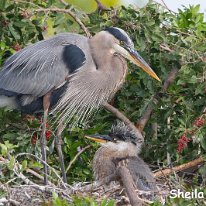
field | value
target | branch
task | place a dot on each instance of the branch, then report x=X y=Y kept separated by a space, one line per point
x=95 y=185
x=123 y=118
x=73 y=15
x=179 y=168
x=43 y=162
x=166 y=7
x=166 y=48
x=64 y=2
x=3 y=201
x=100 y=6
x=129 y=185
x=146 y=116
x=76 y=156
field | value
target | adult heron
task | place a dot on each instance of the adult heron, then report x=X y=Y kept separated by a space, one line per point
x=68 y=74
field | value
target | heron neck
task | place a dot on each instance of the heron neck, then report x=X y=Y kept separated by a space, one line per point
x=101 y=56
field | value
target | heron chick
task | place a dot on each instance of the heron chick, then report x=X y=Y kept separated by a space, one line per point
x=121 y=143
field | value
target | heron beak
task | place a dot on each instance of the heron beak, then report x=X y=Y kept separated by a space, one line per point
x=100 y=138
x=135 y=58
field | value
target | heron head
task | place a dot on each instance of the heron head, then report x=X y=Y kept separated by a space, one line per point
x=120 y=137
x=123 y=45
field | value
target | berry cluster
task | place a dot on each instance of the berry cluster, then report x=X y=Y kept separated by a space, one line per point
x=183 y=140
x=16 y=47
x=199 y=122
x=48 y=135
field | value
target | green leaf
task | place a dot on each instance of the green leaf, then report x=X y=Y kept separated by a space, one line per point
x=24 y=165
x=11 y=163
x=4 y=149
x=13 y=32
x=202 y=141
x=2 y=4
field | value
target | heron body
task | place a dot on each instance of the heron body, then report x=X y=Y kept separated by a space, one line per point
x=68 y=74
x=71 y=67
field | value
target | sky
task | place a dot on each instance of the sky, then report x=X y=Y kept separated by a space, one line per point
x=172 y=4
x=175 y=4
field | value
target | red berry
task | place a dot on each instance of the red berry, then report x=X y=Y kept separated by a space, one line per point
x=182 y=143
x=184 y=138
x=34 y=139
x=4 y=23
x=48 y=134
x=40 y=122
x=16 y=47
x=44 y=28
x=199 y=122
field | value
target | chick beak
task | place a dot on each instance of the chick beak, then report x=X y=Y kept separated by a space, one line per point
x=99 y=138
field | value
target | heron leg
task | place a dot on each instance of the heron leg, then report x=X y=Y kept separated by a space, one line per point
x=59 y=143
x=46 y=104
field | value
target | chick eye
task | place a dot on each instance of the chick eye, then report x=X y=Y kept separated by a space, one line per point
x=122 y=43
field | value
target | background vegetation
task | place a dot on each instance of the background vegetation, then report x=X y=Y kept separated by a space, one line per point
x=176 y=132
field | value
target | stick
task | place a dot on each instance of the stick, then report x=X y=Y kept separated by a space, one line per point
x=147 y=114
x=182 y=167
x=76 y=156
x=123 y=118
x=101 y=7
x=73 y=15
x=95 y=185
x=64 y=2
x=129 y=185
x=13 y=202
x=51 y=168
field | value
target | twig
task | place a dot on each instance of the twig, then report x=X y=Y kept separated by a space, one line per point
x=35 y=174
x=100 y=6
x=13 y=202
x=76 y=156
x=95 y=185
x=129 y=185
x=73 y=15
x=123 y=118
x=182 y=167
x=23 y=177
x=39 y=159
x=165 y=5
x=64 y=2
x=166 y=48
x=15 y=170
x=170 y=78
x=146 y=116
x=27 y=170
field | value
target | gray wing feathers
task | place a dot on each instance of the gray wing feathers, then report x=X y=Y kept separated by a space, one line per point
x=38 y=68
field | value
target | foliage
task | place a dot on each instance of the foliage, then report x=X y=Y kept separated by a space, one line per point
x=165 y=41
x=81 y=201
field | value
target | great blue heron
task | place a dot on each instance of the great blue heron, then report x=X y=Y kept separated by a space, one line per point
x=121 y=143
x=68 y=74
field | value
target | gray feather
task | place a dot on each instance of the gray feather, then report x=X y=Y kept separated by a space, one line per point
x=39 y=68
x=8 y=102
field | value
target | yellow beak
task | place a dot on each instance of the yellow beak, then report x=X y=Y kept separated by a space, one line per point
x=100 y=138
x=135 y=58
